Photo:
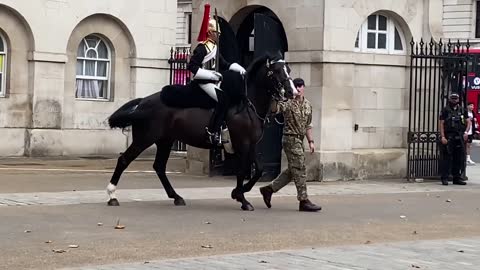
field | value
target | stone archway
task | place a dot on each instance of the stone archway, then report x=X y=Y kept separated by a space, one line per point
x=122 y=48
x=16 y=107
x=85 y=118
x=243 y=23
x=271 y=38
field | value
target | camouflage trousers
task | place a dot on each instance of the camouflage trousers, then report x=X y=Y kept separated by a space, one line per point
x=295 y=152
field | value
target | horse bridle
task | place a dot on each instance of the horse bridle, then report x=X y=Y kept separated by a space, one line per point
x=278 y=85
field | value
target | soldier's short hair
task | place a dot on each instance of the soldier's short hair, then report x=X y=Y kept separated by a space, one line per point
x=298 y=82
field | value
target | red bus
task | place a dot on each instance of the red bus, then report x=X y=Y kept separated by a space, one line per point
x=473 y=80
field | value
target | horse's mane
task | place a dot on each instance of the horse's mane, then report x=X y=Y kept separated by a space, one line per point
x=256 y=63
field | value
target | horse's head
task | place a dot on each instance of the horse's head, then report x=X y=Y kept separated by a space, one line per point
x=282 y=85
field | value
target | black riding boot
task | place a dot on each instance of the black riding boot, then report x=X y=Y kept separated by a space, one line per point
x=217 y=119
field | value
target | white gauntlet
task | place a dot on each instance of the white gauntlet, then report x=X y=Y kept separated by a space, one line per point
x=204 y=74
x=236 y=67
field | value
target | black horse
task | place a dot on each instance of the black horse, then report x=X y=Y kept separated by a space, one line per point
x=155 y=122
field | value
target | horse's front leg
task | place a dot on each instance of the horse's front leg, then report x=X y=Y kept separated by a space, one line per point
x=238 y=191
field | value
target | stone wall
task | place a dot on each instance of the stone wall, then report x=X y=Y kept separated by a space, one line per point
x=348 y=88
x=40 y=114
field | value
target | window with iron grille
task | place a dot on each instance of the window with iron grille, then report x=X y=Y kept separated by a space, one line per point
x=93 y=69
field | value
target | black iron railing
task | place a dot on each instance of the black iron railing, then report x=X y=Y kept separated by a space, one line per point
x=436 y=70
x=179 y=74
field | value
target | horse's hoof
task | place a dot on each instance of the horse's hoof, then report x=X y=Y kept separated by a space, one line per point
x=113 y=202
x=247 y=207
x=179 y=202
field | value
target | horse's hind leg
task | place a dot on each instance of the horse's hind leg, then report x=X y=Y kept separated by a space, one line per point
x=160 y=166
x=258 y=173
x=124 y=160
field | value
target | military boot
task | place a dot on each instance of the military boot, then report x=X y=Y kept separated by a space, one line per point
x=445 y=181
x=267 y=193
x=459 y=182
x=308 y=206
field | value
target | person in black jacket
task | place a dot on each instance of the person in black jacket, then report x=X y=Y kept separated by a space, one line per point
x=202 y=65
x=454 y=125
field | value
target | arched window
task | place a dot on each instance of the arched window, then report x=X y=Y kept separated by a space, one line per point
x=3 y=66
x=93 y=69
x=380 y=34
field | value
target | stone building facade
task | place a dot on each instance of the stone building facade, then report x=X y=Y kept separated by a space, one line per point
x=67 y=65
x=354 y=57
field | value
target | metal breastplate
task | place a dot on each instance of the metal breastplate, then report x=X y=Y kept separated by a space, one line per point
x=210 y=64
x=209 y=60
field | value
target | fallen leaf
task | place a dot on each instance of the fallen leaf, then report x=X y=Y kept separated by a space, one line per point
x=27 y=231
x=73 y=246
x=368 y=242
x=99 y=224
x=146 y=262
x=207 y=222
x=448 y=200
x=48 y=242
x=207 y=246
x=461 y=251
x=262 y=261
x=414 y=232
x=403 y=217
x=118 y=226
x=59 y=250
x=415 y=266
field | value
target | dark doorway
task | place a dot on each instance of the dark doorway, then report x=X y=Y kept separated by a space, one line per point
x=260 y=32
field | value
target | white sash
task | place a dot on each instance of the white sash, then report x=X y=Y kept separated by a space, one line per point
x=210 y=55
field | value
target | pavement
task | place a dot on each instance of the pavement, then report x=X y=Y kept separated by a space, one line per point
x=47 y=205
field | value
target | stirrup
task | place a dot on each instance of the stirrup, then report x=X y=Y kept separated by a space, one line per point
x=215 y=138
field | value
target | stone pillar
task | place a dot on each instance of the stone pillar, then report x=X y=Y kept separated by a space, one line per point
x=198 y=161
x=48 y=95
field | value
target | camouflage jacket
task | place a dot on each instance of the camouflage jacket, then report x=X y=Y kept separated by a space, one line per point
x=297 y=115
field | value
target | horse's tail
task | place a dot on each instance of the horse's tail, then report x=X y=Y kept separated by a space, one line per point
x=125 y=115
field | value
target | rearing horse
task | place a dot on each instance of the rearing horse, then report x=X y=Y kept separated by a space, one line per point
x=153 y=122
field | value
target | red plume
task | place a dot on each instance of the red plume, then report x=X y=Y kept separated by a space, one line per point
x=202 y=36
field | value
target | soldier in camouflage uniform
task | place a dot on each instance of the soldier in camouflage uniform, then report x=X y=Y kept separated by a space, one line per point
x=298 y=124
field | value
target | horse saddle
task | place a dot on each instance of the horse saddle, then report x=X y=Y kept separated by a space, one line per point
x=186 y=96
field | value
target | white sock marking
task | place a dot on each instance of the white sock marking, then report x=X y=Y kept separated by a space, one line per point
x=111 y=191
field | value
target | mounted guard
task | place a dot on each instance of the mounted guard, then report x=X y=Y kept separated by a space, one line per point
x=206 y=63
x=181 y=112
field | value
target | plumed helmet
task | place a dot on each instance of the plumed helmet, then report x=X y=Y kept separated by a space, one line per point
x=208 y=25
x=212 y=26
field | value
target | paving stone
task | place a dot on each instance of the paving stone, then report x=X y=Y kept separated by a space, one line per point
x=430 y=254
x=132 y=195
